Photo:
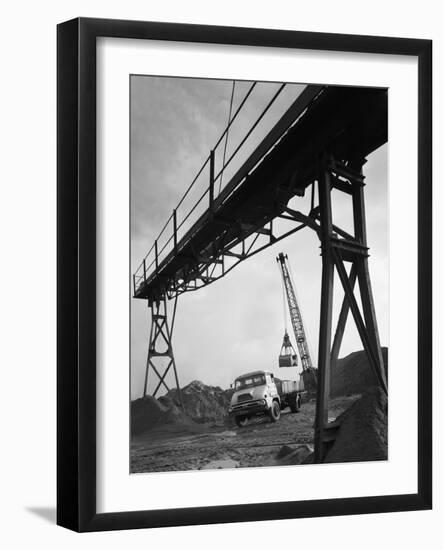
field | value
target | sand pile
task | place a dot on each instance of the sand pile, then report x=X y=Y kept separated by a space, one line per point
x=148 y=413
x=363 y=432
x=353 y=374
x=202 y=403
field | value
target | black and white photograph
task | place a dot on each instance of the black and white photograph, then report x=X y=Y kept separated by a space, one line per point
x=221 y=275
x=259 y=274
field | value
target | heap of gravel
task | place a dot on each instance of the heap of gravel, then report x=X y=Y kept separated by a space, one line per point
x=147 y=413
x=202 y=403
x=363 y=432
x=352 y=374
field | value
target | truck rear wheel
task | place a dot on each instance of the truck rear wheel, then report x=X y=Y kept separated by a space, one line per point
x=274 y=411
x=295 y=404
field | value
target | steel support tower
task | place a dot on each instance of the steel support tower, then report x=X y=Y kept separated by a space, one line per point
x=160 y=336
x=339 y=248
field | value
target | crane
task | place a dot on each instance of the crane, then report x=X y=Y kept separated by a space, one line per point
x=287 y=356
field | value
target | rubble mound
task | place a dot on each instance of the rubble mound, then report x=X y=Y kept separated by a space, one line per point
x=148 y=413
x=363 y=432
x=353 y=374
x=291 y=456
x=202 y=403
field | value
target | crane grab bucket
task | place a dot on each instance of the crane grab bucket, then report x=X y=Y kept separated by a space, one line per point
x=287 y=357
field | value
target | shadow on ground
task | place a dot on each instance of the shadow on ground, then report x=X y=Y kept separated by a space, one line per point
x=46 y=513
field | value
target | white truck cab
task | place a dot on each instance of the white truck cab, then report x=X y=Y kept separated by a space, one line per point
x=258 y=393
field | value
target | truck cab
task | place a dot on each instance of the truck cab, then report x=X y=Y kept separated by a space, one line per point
x=258 y=393
x=255 y=394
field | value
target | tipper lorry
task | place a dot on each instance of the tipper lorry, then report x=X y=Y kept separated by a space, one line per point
x=258 y=393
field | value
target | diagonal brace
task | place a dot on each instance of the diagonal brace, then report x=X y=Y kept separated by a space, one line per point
x=358 y=320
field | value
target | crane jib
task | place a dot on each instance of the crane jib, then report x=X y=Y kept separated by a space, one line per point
x=295 y=314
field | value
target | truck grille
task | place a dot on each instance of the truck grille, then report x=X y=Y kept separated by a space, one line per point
x=245 y=406
x=244 y=397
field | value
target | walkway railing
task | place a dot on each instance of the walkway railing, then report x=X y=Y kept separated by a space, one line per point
x=270 y=101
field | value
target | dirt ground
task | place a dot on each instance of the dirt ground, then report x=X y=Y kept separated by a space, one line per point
x=192 y=447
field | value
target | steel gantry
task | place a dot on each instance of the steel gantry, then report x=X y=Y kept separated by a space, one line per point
x=320 y=142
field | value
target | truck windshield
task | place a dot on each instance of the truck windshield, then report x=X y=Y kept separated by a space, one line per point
x=250 y=381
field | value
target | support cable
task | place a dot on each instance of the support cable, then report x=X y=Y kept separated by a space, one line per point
x=253 y=127
x=227 y=134
x=285 y=316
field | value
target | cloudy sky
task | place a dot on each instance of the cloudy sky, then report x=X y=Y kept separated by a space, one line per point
x=236 y=324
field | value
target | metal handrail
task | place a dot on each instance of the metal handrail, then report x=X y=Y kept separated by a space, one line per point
x=253 y=127
x=137 y=278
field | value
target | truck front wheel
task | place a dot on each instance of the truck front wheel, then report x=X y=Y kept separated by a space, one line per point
x=274 y=411
x=241 y=421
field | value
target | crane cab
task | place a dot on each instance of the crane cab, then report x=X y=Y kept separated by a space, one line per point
x=287 y=357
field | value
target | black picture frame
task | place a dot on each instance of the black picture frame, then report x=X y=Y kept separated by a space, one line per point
x=76 y=279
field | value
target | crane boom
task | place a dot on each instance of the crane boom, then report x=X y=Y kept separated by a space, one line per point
x=295 y=315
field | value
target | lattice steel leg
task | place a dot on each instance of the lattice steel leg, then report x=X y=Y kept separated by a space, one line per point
x=339 y=247
x=160 y=335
